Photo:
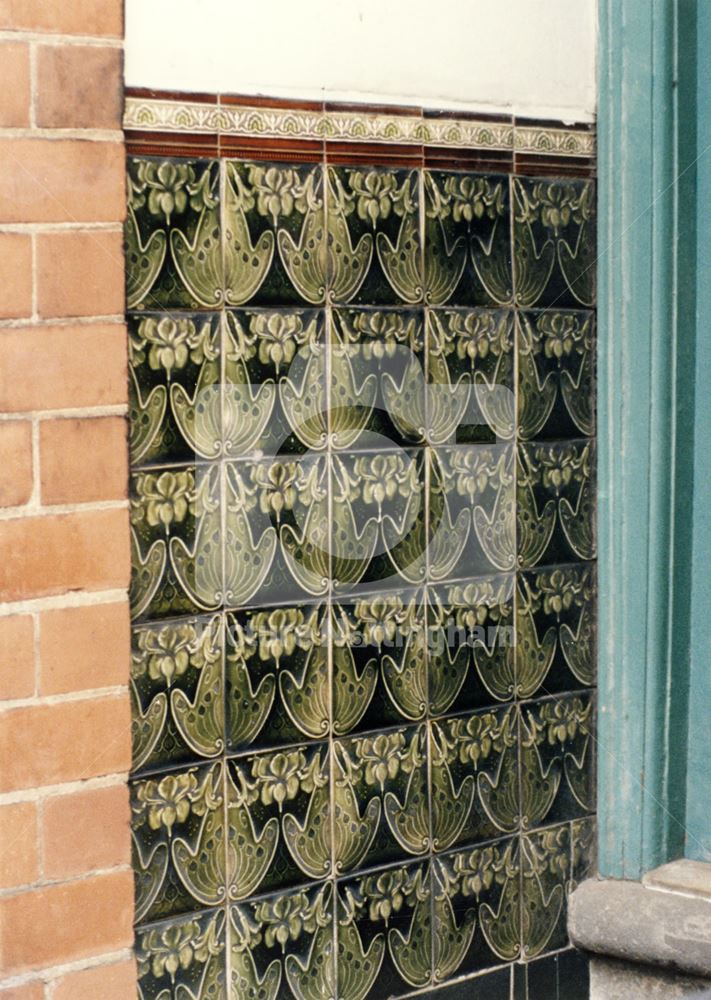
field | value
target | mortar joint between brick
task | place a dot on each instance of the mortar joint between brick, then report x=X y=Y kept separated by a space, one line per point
x=69 y=599
x=62 y=134
x=47 y=701
x=57 y=38
x=39 y=794
x=38 y=509
x=51 y=883
x=33 y=84
x=53 y=973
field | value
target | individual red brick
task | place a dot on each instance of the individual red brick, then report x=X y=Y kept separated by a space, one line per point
x=80 y=366
x=105 y=982
x=68 y=17
x=14 y=85
x=79 y=86
x=80 y=273
x=84 y=648
x=54 y=554
x=86 y=831
x=61 y=180
x=65 y=923
x=18 y=836
x=16 y=451
x=16 y=270
x=50 y=744
x=17 y=657
x=83 y=460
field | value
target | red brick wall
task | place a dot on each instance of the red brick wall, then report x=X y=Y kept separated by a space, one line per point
x=66 y=894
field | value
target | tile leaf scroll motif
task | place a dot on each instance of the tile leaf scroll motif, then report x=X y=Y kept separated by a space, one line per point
x=362 y=416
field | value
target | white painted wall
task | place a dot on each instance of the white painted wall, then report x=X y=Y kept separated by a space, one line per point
x=532 y=57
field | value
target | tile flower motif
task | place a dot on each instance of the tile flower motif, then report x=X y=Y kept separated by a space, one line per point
x=556 y=369
x=362 y=430
x=554 y=242
x=467 y=245
x=471 y=644
x=384 y=933
x=375 y=251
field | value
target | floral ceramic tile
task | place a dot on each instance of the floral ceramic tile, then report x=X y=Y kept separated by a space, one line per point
x=384 y=932
x=178 y=841
x=282 y=946
x=474 y=793
x=467 y=239
x=556 y=627
x=545 y=871
x=556 y=502
x=470 y=382
x=381 y=802
x=471 y=644
x=277 y=676
x=183 y=957
x=275 y=382
x=276 y=530
x=177 y=691
x=556 y=374
x=554 y=242
x=375 y=251
x=175 y=387
x=362 y=419
x=379 y=658
x=176 y=541
x=557 y=759
x=476 y=899
x=378 y=520
x=377 y=381
x=471 y=511
x=279 y=818
x=275 y=240
x=173 y=235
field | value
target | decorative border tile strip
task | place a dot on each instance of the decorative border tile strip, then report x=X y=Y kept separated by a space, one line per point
x=151 y=114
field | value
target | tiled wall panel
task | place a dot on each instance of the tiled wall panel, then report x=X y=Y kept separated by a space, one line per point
x=363 y=489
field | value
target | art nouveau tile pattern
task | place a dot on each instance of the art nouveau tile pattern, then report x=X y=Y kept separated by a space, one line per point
x=364 y=588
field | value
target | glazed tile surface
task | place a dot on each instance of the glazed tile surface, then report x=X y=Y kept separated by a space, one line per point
x=364 y=592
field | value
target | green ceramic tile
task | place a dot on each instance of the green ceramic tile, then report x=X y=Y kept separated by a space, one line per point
x=181 y=958
x=471 y=511
x=176 y=541
x=276 y=532
x=470 y=382
x=471 y=643
x=275 y=382
x=282 y=946
x=467 y=239
x=277 y=676
x=545 y=871
x=475 y=794
x=384 y=932
x=556 y=627
x=280 y=827
x=476 y=896
x=177 y=691
x=175 y=394
x=556 y=502
x=377 y=393
x=554 y=242
x=378 y=520
x=557 y=759
x=375 y=251
x=381 y=810
x=173 y=241
x=556 y=374
x=379 y=661
x=275 y=241
x=178 y=840
x=583 y=833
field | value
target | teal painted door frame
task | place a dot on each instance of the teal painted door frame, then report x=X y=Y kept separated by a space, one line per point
x=648 y=781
